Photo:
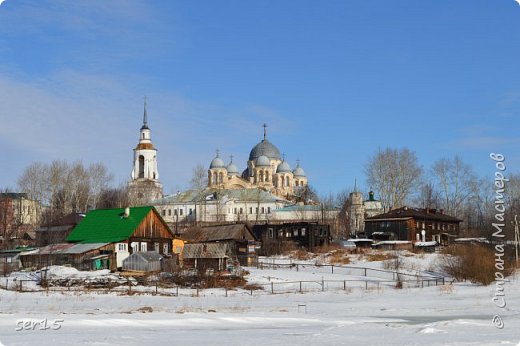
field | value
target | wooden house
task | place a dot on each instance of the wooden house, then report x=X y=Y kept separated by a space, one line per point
x=241 y=243
x=129 y=230
x=413 y=224
x=302 y=234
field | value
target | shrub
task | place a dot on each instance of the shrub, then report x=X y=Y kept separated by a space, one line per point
x=475 y=263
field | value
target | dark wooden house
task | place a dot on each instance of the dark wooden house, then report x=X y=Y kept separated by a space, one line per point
x=302 y=234
x=241 y=243
x=129 y=230
x=58 y=231
x=413 y=224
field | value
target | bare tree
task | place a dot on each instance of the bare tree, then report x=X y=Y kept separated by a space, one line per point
x=199 y=178
x=456 y=181
x=393 y=173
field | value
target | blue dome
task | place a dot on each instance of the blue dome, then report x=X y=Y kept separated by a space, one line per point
x=262 y=161
x=299 y=172
x=217 y=163
x=283 y=168
x=265 y=148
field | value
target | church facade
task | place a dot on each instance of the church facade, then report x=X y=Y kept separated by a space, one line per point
x=266 y=170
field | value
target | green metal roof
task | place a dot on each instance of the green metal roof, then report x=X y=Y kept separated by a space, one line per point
x=108 y=225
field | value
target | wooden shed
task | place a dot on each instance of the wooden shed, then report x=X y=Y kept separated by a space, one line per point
x=206 y=256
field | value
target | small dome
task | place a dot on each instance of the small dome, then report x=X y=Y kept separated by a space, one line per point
x=283 y=168
x=262 y=161
x=232 y=169
x=265 y=148
x=217 y=163
x=299 y=172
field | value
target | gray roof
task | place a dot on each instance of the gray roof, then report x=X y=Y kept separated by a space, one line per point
x=232 y=169
x=217 y=162
x=209 y=250
x=283 y=168
x=299 y=172
x=265 y=148
x=65 y=249
x=262 y=161
x=218 y=233
x=194 y=196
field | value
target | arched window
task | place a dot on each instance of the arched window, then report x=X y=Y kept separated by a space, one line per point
x=220 y=177
x=215 y=181
x=287 y=181
x=141 y=166
x=266 y=176
x=296 y=182
x=261 y=176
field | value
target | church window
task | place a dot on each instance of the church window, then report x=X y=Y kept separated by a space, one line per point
x=263 y=210
x=215 y=181
x=250 y=210
x=175 y=212
x=241 y=210
x=296 y=182
x=141 y=166
x=164 y=212
x=268 y=210
x=261 y=176
x=235 y=210
x=287 y=181
x=266 y=176
x=220 y=178
x=180 y=212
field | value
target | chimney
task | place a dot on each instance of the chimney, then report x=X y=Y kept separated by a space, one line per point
x=127 y=213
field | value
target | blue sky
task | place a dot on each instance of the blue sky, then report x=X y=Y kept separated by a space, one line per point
x=334 y=80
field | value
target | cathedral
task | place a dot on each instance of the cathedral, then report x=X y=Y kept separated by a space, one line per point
x=266 y=170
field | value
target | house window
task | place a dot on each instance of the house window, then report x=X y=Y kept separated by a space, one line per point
x=268 y=210
x=270 y=232
x=263 y=210
x=250 y=210
x=180 y=211
x=164 y=212
x=165 y=248
x=288 y=234
x=295 y=233
x=121 y=247
x=235 y=210
x=143 y=247
x=135 y=246
x=303 y=232
x=175 y=212
x=156 y=247
x=280 y=234
x=169 y=212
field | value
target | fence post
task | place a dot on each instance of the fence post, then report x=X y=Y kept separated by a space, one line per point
x=365 y=271
x=300 y=287
x=366 y=285
x=226 y=291
x=197 y=291
x=177 y=291
x=272 y=288
x=21 y=288
x=156 y=288
x=297 y=269
x=332 y=268
x=344 y=285
x=322 y=284
x=443 y=283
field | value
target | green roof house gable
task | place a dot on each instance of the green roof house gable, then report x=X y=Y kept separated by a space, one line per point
x=109 y=225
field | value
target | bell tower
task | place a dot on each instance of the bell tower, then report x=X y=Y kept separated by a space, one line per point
x=144 y=186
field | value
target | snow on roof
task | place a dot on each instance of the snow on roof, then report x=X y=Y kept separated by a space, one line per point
x=425 y=243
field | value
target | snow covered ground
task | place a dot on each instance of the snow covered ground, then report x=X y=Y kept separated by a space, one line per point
x=445 y=315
